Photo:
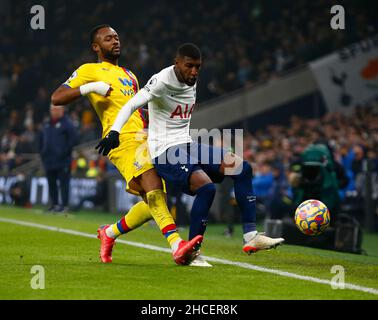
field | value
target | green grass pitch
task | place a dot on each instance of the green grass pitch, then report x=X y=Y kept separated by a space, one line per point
x=74 y=271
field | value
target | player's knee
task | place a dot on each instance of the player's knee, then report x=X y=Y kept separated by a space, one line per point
x=208 y=190
x=149 y=181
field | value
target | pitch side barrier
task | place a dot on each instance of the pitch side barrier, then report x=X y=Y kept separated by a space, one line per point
x=118 y=199
x=38 y=193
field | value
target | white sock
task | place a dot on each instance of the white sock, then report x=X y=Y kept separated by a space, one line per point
x=249 y=235
x=175 y=244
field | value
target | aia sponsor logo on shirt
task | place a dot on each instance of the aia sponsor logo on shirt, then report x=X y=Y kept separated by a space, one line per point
x=182 y=112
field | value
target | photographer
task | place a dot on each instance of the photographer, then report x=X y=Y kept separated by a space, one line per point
x=314 y=177
x=19 y=192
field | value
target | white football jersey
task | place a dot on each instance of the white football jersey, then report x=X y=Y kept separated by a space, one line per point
x=170 y=111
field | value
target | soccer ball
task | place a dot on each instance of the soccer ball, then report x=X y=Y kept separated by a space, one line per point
x=312 y=217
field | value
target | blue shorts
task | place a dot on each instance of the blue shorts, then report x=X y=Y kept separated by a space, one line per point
x=177 y=163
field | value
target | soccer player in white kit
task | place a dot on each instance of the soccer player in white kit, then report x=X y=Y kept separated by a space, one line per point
x=171 y=96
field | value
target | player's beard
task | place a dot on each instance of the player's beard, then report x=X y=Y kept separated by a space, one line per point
x=191 y=82
x=110 y=55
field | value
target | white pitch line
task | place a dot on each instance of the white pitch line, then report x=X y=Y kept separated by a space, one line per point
x=217 y=260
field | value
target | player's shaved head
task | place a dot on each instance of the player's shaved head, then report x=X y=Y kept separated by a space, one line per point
x=189 y=50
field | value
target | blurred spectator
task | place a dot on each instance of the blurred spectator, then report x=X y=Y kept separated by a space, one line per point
x=93 y=170
x=57 y=139
x=19 y=191
x=28 y=141
x=88 y=130
x=359 y=157
x=281 y=196
x=263 y=181
x=79 y=164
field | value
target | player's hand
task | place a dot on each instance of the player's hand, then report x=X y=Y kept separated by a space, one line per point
x=99 y=87
x=111 y=141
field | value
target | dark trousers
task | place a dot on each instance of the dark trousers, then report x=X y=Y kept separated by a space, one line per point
x=62 y=176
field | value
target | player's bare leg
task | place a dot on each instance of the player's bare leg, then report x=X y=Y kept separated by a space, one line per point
x=241 y=172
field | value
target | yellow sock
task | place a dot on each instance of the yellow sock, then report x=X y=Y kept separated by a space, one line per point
x=137 y=216
x=159 y=211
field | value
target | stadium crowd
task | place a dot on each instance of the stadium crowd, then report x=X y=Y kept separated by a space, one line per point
x=352 y=140
x=242 y=45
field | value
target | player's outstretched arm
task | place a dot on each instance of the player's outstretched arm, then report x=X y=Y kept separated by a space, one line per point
x=136 y=102
x=111 y=140
x=64 y=94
